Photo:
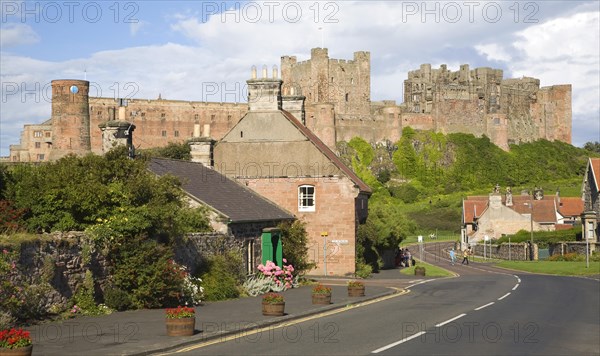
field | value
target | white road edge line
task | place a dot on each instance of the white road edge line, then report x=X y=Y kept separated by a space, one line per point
x=450 y=320
x=504 y=296
x=516 y=286
x=483 y=306
x=398 y=342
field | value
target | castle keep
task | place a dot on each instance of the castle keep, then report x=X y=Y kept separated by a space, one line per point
x=331 y=97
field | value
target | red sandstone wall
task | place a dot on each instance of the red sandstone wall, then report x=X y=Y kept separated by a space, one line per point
x=334 y=213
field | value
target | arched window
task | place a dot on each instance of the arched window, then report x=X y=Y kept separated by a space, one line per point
x=306 y=198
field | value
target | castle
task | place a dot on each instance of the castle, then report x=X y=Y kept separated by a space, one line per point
x=329 y=96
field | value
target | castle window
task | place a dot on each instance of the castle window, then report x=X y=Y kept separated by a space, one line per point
x=212 y=117
x=163 y=115
x=176 y=133
x=306 y=198
x=48 y=133
x=143 y=114
x=496 y=121
x=40 y=157
x=346 y=96
x=242 y=134
x=196 y=117
x=37 y=133
x=332 y=79
x=38 y=145
x=351 y=80
x=164 y=133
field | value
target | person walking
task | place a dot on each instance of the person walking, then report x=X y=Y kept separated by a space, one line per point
x=465 y=256
x=452 y=256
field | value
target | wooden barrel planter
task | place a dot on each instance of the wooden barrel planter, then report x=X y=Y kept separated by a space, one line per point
x=19 y=351
x=273 y=309
x=358 y=291
x=181 y=327
x=419 y=271
x=321 y=299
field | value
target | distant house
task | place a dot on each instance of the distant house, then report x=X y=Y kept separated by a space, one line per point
x=273 y=153
x=235 y=211
x=591 y=198
x=504 y=214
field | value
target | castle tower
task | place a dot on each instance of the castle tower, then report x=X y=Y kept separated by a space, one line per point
x=321 y=121
x=70 y=118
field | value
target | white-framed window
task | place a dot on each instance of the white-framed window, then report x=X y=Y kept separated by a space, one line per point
x=306 y=198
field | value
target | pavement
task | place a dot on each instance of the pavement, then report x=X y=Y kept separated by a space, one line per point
x=143 y=332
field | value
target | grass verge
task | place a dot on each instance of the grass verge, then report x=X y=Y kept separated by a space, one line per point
x=430 y=270
x=563 y=268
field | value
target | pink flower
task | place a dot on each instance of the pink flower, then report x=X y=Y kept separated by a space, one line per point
x=5 y=251
x=284 y=260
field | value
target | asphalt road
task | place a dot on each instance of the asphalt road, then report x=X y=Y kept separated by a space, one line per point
x=482 y=311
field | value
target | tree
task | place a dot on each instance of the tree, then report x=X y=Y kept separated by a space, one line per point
x=295 y=246
x=592 y=147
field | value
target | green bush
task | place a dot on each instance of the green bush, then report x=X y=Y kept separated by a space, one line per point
x=223 y=277
x=145 y=269
x=116 y=298
x=363 y=270
x=295 y=246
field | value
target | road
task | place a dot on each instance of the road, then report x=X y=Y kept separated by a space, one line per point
x=482 y=311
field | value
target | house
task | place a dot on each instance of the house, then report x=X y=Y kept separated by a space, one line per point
x=236 y=212
x=590 y=191
x=272 y=152
x=504 y=214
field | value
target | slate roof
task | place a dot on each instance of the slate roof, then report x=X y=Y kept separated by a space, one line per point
x=229 y=198
x=595 y=166
x=328 y=152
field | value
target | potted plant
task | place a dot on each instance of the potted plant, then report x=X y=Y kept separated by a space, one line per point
x=180 y=321
x=273 y=304
x=356 y=289
x=321 y=294
x=15 y=342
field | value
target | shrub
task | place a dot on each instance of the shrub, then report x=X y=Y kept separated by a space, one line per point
x=145 y=270
x=117 y=299
x=295 y=246
x=363 y=270
x=223 y=277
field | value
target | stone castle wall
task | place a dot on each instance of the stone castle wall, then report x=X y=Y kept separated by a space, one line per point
x=338 y=107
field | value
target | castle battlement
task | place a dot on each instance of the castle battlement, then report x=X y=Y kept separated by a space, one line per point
x=336 y=97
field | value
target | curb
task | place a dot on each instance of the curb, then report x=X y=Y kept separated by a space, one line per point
x=266 y=323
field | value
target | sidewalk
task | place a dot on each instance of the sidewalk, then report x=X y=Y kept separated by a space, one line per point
x=142 y=332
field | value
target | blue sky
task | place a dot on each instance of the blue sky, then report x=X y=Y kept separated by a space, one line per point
x=185 y=49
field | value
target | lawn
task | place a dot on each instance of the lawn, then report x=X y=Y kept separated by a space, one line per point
x=563 y=268
x=430 y=270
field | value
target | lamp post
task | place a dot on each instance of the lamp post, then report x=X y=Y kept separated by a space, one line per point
x=530 y=226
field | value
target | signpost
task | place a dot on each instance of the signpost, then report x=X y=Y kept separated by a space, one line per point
x=485 y=240
x=324 y=235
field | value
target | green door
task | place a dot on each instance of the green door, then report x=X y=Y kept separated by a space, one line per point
x=271 y=246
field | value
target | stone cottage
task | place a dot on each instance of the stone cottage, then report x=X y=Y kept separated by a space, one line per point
x=238 y=215
x=504 y=214
x=272 y=152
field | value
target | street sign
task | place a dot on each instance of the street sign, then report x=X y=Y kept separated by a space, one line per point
x=419 y=238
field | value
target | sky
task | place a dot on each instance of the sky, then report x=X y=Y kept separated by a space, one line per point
x=204 y=50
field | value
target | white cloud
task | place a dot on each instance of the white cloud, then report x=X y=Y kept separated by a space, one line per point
x=15 y=34
x=135 y=27
x=220 y=51
x=493 y=52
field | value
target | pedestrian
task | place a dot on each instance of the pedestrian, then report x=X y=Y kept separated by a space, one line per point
x=452 y=256
x=465 y=256
x=408 y=257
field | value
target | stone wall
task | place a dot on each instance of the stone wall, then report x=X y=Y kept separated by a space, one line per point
x=60 y=260
x=579 y=248
x=518 y=251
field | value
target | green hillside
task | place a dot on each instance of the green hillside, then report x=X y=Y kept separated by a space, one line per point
x=419 y=182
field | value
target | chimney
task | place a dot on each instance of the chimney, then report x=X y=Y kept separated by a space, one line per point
x=117 y=133
x=201 y=148
x=294 y=104
x=264 y=94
